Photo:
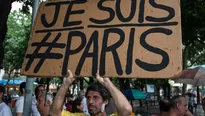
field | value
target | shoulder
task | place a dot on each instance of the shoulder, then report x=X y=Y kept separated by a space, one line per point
x=67 y=113
x=6 y=109
x=20 y=99
x=5 y=106
x=115 y=114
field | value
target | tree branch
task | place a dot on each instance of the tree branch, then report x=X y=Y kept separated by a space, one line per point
x=201 y=42
x=86 y=81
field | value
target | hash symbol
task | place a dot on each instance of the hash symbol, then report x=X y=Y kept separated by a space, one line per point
x=47 y=54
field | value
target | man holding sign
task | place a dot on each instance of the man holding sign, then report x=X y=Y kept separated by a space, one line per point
x=97 y=98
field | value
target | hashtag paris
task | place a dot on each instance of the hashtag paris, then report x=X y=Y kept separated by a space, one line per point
x=74 y=28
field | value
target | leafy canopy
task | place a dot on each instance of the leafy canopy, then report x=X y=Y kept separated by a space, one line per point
x=19 y=28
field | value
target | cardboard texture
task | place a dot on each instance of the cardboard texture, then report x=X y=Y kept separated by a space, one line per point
x=121 y=38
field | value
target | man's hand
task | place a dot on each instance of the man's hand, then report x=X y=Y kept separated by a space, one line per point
x=121 y=103
x=102 y=80
x=56 y=107
x=188 y=113
x=69 y=78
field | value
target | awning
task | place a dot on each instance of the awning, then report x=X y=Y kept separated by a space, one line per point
x=133 y=94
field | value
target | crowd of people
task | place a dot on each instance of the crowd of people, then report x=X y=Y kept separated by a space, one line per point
x=93 y=102
x=177 y=106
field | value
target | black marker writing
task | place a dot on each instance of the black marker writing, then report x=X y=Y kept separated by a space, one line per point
x=165 y=56
x=44 y=56
x=69 y=51
x=112 y=49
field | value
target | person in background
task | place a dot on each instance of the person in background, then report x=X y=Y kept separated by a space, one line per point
x=178 y=106
x=7 y=99
x=69 y=102
x=38 y=90
x=20 y=101
x=44 y=102
x=4 y=108
x=81 y=95
x=190 y=102
x=164 y=107
x=203 y=104
x=195 y=103
x=77 y=106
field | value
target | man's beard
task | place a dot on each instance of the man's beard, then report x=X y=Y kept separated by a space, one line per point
x=93 y=111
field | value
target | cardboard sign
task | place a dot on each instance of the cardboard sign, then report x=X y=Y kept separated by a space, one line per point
x=121 y=38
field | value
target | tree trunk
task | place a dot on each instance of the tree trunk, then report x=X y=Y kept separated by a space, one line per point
x=5 y=8
x=169 y=91
x=184 y=89
x=81 y=83
x=140 y=101
x=74 y=85
x=185 y=55
x=127 y=84
x=165 y=92
x=9 y=74
x=91 y=80
x=158 y=92
x=122 y=85
x=8 y=80
x=47 y=84
x=198 y=95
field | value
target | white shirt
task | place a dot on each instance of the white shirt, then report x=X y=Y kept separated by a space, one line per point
x=5 y=110
x=34 y=110
x=19 y=105
x=85 y=108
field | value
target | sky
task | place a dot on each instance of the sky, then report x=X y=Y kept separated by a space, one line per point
x=16 y=6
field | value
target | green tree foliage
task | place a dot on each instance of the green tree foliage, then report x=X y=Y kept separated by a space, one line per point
x=19 y=28
x=193 y=31
x=193 y=21
x=5 y=6
x=195 y=55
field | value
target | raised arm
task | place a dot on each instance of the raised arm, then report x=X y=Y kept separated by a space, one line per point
x=56 y=107
x=123 y=106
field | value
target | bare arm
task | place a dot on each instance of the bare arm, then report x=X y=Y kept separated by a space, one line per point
x=123 y=106
x=18 y=114
x=56 y=107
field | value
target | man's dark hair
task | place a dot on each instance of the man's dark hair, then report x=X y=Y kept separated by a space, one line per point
x=22 y=86
x=99 y=88
x=2 y=89
x=176 y=99
x=77 y=102
x=164 y=105
x=36 y=90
